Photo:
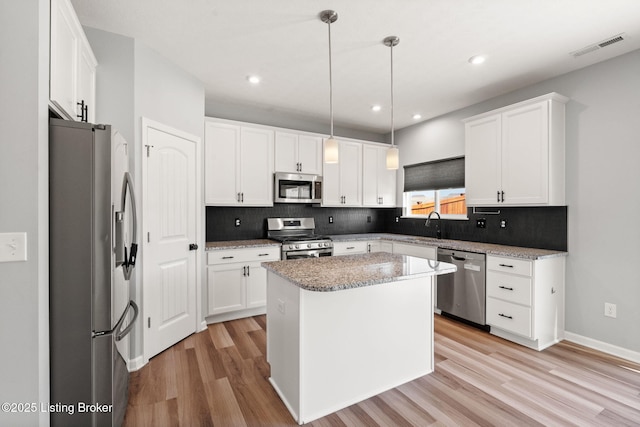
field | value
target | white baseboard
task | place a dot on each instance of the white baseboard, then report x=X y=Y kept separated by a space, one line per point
x=203 y=326
x=604 y=347
x=135 y=363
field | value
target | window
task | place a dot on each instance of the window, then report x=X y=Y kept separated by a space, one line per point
x=435 y=186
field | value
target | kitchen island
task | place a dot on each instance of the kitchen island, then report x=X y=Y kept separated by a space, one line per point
x=343 y=329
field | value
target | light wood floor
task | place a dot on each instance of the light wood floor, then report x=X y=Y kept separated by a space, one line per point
x=218 y=377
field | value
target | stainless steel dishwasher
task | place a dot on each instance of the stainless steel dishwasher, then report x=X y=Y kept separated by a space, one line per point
x=462 y=293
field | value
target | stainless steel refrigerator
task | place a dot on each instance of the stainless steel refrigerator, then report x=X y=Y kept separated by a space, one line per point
x=89 y=377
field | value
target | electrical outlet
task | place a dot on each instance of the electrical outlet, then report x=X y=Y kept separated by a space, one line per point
x=503 y=223
x=397 y=219
x=237 y=222
x=481 y=223
x=610 y=310
x=330 y=220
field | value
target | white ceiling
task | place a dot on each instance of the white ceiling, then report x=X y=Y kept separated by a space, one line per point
x=285 y=43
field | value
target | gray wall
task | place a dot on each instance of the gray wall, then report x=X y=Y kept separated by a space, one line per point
x=135 y=81
x=24 y=286
x=602 y=151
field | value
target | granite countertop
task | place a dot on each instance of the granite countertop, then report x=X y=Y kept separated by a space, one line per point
x=240 y=244
x=460 y=245
x=354 y=271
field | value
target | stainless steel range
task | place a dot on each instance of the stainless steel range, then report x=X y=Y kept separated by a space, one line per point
x=298 y=238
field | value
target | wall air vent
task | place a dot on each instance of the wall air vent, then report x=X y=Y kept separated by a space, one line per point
x=596 y=46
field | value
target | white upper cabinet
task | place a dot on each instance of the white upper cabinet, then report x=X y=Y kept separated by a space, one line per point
x=238 y=165
x=72 y=65
x=515 y=155
x=378 y=182
x=342 y=181
x=298 y=153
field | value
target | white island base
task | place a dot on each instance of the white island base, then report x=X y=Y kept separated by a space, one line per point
x=329 y=350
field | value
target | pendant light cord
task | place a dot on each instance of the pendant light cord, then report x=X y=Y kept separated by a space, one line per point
x=330 y=83
x=392 y=121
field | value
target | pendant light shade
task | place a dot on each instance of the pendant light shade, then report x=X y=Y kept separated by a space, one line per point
x=331 y=150
x=393 y=161
x=393 y=158
x=330 y=145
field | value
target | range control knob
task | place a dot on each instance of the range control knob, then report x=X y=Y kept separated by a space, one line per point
x=297 y=246
x=309 y=245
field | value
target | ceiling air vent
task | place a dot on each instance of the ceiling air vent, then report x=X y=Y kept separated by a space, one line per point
x=592 y=48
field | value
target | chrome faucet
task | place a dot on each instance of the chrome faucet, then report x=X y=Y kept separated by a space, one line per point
x=428 y=224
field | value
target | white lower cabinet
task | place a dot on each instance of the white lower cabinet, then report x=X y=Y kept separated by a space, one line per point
x=420 y=251
x=236 y=282
x=525 y=300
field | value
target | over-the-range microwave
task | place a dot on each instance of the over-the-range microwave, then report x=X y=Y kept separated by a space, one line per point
x=297 y=188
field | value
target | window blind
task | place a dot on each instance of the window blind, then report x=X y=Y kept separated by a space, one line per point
x=436 y=175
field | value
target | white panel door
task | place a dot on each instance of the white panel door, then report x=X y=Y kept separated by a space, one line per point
x=482 y=164
x=169 y=228
x=525 y=154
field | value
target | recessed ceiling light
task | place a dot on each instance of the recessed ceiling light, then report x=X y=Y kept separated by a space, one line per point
x=254 y=80
x=477 y=59
x=417 y=116
x=376 y=108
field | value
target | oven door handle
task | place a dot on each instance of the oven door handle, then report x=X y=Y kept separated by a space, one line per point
x=313 y=253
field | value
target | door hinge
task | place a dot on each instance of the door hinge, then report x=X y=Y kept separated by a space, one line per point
x=149 y=322
x=148 y=237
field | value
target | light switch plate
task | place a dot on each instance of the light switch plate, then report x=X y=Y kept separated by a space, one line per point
x=13 y=247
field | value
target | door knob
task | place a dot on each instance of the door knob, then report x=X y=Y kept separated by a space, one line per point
x=193 y=247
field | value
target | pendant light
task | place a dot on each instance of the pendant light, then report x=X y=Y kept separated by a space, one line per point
x=392 y=152
x=331 y=144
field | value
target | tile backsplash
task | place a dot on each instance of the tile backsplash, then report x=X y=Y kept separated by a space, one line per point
x=536 y=227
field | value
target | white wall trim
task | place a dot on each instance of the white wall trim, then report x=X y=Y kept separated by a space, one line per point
x=604 y=347
x=135 y=363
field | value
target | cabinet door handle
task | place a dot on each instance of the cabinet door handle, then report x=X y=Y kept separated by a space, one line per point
x=505 y=288
x=263 y=254
x=242 y=197
x=498 y=196
x=502 y=192
x=369 y=247
x=248 y=270
x=227 y=257
x=238 y=197
x=506 y=265
x=244 y=271
x=505 y=316
x=351 y=247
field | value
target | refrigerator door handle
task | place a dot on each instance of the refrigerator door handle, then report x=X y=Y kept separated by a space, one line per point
x=116 y=329
x=127 y=260
x=121 y=334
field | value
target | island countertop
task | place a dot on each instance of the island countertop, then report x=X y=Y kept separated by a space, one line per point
x=354 y=271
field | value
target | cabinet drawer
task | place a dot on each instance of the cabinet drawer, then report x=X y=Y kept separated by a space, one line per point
x=509 y=317
x=346 y=248
x=226 y=256
x=509 y=287
x=510 y=265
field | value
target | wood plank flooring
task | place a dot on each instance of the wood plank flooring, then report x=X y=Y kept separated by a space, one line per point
x=218 y=377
